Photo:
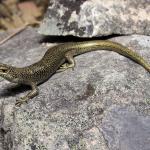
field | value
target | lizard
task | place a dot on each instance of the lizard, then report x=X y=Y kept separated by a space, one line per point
x=54 y=60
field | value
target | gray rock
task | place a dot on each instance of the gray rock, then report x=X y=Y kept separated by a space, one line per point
x=93 y=107
x=124 y=129
x=90 y=18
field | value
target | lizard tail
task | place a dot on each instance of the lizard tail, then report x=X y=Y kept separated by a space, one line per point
x=83 y=47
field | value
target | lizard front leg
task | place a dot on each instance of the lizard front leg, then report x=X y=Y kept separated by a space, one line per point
x=30 y=95
x=71 y=62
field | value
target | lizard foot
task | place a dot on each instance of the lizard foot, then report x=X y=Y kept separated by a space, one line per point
x=20 y=101
x=65 y=67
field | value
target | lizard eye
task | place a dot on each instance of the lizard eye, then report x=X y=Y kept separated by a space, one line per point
x=3 y=70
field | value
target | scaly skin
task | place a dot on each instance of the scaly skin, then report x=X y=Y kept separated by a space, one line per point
x=54 y=57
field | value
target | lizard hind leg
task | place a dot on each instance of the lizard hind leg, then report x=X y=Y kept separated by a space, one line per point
x=71 y=62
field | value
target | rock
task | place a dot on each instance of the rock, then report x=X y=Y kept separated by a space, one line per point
x=124 y=129
x=96 y=106
x=92 y=18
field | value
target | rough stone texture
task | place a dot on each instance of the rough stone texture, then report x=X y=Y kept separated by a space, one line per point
x=125 y=129
x=90 y=18
x=103 y=104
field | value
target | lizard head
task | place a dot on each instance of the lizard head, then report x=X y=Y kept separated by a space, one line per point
x=8 y=72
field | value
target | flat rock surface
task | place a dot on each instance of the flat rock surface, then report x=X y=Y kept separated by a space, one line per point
x=90 y=18
x=103 y=104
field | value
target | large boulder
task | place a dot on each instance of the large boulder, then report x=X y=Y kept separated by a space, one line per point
x=90 y=18
x=104 y=104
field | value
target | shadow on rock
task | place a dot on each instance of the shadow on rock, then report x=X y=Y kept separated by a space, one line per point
x=14 y=90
